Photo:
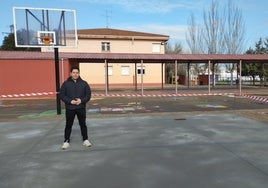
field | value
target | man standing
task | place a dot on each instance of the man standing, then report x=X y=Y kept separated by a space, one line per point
x=75 y=93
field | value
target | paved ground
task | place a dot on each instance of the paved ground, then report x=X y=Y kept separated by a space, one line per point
x=13 y=109
x=208 y=141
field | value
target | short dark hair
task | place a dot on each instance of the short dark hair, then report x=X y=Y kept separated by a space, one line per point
x=75 y=67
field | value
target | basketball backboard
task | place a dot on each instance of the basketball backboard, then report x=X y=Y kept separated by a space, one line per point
x=41 y=27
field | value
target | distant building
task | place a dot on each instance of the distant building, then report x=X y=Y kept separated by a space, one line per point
x=107 y=40
x=32 y=74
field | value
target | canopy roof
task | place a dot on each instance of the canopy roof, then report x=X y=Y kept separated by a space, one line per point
x=136 y=58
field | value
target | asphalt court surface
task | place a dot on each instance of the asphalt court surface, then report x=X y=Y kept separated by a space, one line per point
x=137 y=142
x=30 y=109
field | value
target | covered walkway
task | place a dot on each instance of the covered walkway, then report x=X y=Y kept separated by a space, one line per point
x=210 y=59
x=137 y=59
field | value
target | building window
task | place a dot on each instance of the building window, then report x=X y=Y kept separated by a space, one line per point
x=105 y=46
x=139 y=70
x=124 y=70
x=110 y=70
x=156 y=48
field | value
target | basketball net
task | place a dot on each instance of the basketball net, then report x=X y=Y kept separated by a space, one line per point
x=46 y=40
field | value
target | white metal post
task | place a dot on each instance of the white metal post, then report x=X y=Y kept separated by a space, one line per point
x=209 y=77
x=106 y=76
x=176 y=73
x=240 y=77
x=141 y=77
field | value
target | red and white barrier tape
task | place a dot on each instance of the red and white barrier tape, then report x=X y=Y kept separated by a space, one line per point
x=40 y=94
x=27 y=95
x=257 y=98
x=157 y=95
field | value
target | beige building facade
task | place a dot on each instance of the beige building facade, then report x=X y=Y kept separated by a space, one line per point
x=106 y=40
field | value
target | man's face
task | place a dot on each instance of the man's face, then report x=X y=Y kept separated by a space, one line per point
x=75 y=74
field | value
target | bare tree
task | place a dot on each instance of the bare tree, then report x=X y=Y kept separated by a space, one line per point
x=169 y=67
x=173 y=49
x=193 y=37
x=234 y=35
x=213 y=29
x=212 y=34
x=221 y=32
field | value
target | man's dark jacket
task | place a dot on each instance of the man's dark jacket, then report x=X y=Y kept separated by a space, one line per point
x=71 y=90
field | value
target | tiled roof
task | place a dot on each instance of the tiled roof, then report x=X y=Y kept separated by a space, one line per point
x=131 y=57
x=109 y=31
x=116 y=33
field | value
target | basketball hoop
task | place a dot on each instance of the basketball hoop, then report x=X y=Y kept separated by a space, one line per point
x=46 y=40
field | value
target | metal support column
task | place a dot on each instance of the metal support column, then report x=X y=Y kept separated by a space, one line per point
x=162 y=75
x=57 y=78
x=188 y=75
x=141 y=77
x=176 y=73
x=136 y=77
x=106 y=76
x=240 y=77
x=209 y=77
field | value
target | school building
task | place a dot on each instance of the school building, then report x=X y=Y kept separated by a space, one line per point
x=34 y=72
x=107 y=58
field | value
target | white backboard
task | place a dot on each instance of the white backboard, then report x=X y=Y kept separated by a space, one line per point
x=40 y=27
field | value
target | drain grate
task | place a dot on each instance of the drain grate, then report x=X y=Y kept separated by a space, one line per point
x=178 y=119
